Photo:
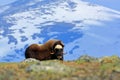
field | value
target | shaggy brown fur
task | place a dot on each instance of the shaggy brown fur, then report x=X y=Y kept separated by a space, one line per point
x=45 y=51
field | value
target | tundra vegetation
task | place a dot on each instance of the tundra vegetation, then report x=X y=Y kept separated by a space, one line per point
x=84 y=68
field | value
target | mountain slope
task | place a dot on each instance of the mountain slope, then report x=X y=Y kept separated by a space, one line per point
x=85 y=68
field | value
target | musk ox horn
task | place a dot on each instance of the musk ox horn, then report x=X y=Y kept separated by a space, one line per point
x=58 y=46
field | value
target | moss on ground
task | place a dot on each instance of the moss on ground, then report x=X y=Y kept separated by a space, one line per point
x=85 y=68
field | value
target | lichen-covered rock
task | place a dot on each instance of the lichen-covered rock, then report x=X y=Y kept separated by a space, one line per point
x=30 y=60
x=86 y=58
x=109 y=59
x=53 y=66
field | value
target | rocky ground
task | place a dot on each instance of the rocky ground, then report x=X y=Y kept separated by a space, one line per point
x=85 y=68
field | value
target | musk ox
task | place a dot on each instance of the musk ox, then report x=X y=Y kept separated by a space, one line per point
x=52 y=49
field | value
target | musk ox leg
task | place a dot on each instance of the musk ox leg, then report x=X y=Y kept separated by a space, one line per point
x=60 y=57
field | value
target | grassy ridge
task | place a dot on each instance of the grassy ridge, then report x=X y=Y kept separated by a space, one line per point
x=85 y=68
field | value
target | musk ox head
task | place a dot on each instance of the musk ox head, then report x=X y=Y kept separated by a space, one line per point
x=58 y=49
